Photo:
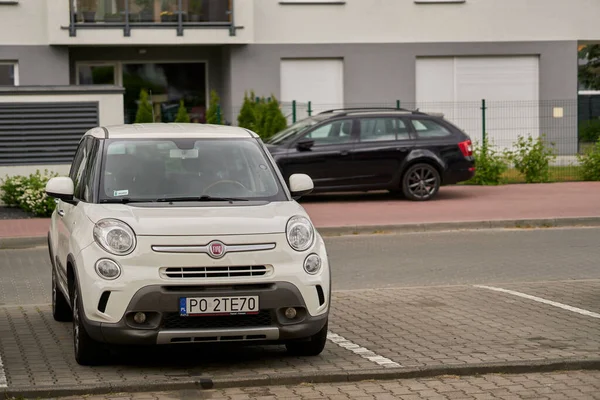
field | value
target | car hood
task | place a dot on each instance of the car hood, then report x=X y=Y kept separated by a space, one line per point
x=201 y=220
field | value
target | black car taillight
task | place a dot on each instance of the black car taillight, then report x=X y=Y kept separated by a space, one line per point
x=466 y=148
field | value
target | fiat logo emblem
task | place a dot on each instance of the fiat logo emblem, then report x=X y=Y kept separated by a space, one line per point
x=216 y=249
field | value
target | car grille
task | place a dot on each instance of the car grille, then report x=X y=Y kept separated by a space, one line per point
x=215 y=272
x=174 y=321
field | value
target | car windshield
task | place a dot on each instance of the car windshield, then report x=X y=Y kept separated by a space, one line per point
x=187 y=170
x=290 y=132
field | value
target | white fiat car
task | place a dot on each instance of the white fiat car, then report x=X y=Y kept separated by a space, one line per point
x=184 y=233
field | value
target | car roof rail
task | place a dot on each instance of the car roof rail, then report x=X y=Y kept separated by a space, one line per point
x=365 y=109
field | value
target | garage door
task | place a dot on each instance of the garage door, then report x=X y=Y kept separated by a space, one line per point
x=456 y=86
x=320 y=81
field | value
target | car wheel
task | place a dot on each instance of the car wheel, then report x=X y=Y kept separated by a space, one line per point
x=421 y=182
x=312 y=347
x=87 y=350
x=60 y=306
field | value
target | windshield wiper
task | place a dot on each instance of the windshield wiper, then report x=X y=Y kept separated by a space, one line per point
x=124 y=200
x=200 y=198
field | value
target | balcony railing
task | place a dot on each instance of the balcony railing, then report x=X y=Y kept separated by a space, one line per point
x=132 y=14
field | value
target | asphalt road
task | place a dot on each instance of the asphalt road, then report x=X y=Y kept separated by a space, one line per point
x=377 y=261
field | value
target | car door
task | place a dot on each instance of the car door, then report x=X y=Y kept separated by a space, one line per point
x=384 y=142
x=66 y=212
x=325 y=154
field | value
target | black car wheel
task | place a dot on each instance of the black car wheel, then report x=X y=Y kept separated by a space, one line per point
x=420 y=182
x=60 y=306
x=87 y=350
x=310 y=348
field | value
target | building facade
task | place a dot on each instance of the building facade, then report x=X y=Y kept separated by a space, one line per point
x=444 y=55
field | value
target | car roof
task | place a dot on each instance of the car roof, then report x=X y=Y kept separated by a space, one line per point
x=342 y=112
x=165 y=130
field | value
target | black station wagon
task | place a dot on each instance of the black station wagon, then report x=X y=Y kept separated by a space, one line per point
x=403 y=151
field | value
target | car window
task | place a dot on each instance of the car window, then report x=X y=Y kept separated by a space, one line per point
x=90 y=172
x=426 y=128
x=378 y=129
x=154 y=169
x=78 y=167
x=336 y=132
x=291 y=132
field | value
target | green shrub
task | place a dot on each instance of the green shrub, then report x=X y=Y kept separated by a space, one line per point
x=247 y=116
x=272 y=119
x=532 y=159
x=28 y=193
x=213 y=114
x=182 y=114
x=144 y=112
x=489 y=164
x=589 y=163
x=589 y=131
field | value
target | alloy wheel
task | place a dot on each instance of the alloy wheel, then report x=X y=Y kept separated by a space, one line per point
x=422 y=182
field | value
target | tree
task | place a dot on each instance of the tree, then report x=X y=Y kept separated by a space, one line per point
x=144 y=112
x=589 y=73
x=213 y=114
x=247 y=116
x=182 y=114
x=269 y=118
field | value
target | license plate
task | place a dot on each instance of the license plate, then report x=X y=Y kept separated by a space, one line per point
x=190 y=306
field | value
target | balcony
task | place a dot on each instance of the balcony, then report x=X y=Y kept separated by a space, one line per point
x=128 y=15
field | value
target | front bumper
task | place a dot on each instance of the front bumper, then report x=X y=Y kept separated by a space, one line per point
x=165 y=326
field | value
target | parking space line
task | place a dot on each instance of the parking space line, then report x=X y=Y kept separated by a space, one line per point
x=361 y=351
x=541 y=300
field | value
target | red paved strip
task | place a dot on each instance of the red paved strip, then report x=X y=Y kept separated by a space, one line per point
x=453 y=204
x=24 y=227
x=460 y=203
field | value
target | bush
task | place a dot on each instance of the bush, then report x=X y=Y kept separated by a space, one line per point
x=182 y=114
x=247 y=116
x=213 y=114
x=532 y=159
x=144 y=112
x=589 y=131
x=589 y=163
x=489 y=164
x=28 y=193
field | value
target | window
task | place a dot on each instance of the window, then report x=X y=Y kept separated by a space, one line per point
x=99 y=74
x=378 y=129
x=9 y=74
x=427 y=128
x=147 y=170
x=78 y=167
x=333 y=133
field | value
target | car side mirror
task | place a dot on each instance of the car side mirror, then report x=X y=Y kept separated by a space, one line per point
x=305 y=144
x=61 y=188
x=301 y=185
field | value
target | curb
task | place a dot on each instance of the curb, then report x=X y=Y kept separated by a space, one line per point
x=460 y=226
x=22 y=242
x=353 y=230
x=207 y=383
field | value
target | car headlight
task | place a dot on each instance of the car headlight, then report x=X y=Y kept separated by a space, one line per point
x=114 y=236
x=300 y=233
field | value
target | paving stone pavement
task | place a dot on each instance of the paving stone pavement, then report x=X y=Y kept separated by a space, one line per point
x=562 y=385
x=414 y=327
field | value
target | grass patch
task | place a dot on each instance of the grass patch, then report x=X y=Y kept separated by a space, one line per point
x=557 y=174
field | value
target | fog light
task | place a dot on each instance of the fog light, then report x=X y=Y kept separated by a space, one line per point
x=108 y=269
x=312 y=264
x=139 y=318
x=290 y=313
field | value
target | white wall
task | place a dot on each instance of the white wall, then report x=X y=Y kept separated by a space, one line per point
x=24 y=23
x=404 y=21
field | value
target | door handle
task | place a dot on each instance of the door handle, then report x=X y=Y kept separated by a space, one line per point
x=61 y=213
x=402 y=149
x=344 y=152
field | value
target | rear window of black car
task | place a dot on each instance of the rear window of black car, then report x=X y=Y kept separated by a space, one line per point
x=429 y=129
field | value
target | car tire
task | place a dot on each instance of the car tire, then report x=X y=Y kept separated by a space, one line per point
x=61 y=311
x=87 y=350
x=421 y=182
x=311 y=347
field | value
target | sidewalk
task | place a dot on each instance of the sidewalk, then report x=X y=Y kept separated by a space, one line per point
x=454 y=204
